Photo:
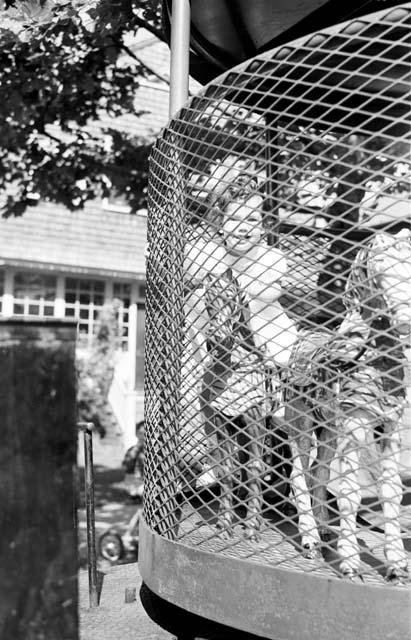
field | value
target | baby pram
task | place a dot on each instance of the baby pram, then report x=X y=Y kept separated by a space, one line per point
x=113 y=546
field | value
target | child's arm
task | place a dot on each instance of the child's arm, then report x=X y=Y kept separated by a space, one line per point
x=274 y=332
x=202 y=257
x=265 y=275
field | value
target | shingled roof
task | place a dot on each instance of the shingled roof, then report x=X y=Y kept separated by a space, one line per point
x=94 y=240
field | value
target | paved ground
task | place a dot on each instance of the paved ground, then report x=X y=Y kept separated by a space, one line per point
x=114 y=619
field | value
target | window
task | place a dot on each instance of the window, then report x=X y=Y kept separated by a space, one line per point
x=122 y=291
x=34 y=294
x=84 y=300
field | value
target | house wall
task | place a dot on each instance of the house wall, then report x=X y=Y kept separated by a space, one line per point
x=61 y=294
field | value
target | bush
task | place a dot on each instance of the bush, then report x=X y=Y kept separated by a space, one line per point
x=95 y=372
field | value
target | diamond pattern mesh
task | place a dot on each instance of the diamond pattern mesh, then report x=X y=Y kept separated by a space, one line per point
x=279 y=313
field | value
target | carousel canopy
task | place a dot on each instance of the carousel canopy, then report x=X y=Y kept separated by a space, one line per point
x=225 y=33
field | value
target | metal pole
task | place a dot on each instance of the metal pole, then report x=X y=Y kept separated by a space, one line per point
x=180 y=50
x=87 y=428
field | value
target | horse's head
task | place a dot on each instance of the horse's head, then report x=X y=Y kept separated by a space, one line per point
x=388 y=268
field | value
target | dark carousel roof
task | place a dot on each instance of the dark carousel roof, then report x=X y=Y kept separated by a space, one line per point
x=225 y=33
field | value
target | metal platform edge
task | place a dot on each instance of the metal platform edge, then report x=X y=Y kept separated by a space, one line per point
x=272 y=602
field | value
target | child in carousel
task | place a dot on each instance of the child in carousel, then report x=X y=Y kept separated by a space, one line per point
x=248 y=274
x=259 y=270
x=245 y=332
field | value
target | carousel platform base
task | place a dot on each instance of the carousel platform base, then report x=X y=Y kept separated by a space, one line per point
x=267 y=587
x=279 y=543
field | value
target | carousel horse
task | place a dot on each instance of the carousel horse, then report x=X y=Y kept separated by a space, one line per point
x=345 y=398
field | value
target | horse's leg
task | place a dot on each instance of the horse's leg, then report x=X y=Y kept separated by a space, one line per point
x=320 y=476
x=255 y=467
x=300 y=426
x=278 y=460
x=224 y=455
x=355 y=427
x=390 y=490
x=220 y=454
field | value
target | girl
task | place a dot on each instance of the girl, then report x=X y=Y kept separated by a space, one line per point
x=259 y=270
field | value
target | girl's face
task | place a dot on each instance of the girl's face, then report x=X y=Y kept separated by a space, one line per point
x=243 y=225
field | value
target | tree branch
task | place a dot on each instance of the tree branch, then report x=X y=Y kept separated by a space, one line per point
x=131 y=53
x=158 y=33
x=50 y=135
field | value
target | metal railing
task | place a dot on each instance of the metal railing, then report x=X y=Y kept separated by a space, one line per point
x=87 y=429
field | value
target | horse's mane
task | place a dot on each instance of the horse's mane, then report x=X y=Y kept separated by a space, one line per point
x=362 y=292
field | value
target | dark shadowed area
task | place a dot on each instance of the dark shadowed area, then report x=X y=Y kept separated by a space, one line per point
x=38 y=551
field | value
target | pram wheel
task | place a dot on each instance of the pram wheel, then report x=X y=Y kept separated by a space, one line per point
x=111 y=546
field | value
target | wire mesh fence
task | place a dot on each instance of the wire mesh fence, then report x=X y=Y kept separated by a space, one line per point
x=279 y=312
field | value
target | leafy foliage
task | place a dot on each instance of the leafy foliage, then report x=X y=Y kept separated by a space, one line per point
x=66 y=70
x=96 y=372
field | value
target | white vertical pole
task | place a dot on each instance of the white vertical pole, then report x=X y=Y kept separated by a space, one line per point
x=180 y=50
x=132 y=340
x=59 y=306
x=129 y=429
